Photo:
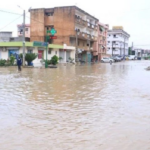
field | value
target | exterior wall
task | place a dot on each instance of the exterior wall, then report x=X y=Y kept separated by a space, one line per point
x=64 y=24
x=101 y=44
x=62 y=20
x=4 y=52
x=118 y=42
x=5 y=36
x=65 y=20
x=27 y=30
x=37 y=28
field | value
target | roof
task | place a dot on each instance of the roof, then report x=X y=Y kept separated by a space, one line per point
x=66 y=7
x=103 y=25
x=118 y=31
x=5 y=31
x=27 y=44
x=26 y=25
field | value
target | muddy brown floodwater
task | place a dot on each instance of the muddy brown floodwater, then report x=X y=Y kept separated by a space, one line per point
x=89 y=107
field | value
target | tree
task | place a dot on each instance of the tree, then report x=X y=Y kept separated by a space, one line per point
x=54 y=60
x=29 y=57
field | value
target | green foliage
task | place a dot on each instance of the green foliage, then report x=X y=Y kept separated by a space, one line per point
x=71 y=60
x=54 y=60
x=29 y=57
x=48 y=61
x=2 y=62
x=60 y=58
x=12 y=60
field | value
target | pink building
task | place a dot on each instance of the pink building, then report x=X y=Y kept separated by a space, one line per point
x=101 y=44
x=20 y=30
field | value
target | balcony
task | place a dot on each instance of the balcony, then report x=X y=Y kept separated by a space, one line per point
x=91 y=26
x=80 y=21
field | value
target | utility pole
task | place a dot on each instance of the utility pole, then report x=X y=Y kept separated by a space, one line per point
x=23 y=39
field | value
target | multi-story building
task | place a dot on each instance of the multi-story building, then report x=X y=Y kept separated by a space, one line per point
x=101 y=44
x=117 y=41
x=5 y=36
x=20 y=30
x=74 y=26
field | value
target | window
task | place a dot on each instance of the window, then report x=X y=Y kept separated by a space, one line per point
x=50 y=50
x=30 y=51
x=55 y=52
x=114 y=35
x=109 y=35
x=87 y=44
x=49 y=13
x=26 y=29
x=108 y=41
x=78 y=43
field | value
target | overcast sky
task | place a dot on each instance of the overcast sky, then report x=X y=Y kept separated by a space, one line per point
x=133 y=15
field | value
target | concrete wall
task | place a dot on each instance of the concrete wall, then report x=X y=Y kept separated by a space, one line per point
x=37 y=27
x=62 y=20
x=118 y=45
x=5 y=55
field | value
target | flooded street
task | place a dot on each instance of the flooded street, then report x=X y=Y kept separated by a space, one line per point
x=89 y=107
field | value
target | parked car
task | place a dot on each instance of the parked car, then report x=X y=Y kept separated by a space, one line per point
x=131 y=57
x=121 y=57
x=107 y=60
x=116 y=58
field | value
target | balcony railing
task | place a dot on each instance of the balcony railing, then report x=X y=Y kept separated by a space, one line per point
x=80 y=21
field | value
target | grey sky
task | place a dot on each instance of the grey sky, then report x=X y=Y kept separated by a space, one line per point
x=133 y=15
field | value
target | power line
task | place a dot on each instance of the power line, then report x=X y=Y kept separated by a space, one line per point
x=9 y=12
x=10 y=23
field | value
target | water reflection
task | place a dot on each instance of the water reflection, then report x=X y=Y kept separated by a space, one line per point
x=88 y=107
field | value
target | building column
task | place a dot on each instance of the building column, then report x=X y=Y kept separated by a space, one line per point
x=65 y=56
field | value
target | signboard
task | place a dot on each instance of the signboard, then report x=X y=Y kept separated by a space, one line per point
x=52 y=31
x=53 y=37
x=40 y=44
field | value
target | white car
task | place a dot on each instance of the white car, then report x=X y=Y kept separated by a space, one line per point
x=131 y=57
x=107 y=60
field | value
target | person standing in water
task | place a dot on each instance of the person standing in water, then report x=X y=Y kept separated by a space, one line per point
x=19 y=63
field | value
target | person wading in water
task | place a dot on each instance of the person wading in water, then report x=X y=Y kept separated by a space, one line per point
x=19 y=63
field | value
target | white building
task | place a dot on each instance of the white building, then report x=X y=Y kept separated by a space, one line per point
x=5 y=36
x=117 y=41
x=12 y=48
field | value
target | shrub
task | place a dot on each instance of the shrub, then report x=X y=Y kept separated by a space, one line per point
x=2 y=62
x=12 y=60
x=54 y=60
x=29 y=57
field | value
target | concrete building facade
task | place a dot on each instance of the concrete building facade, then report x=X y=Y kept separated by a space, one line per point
x=5 y=36
x=20 y=30
x=11 y=48
x=101 y=44
x=74 y=26
x=117 y=41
